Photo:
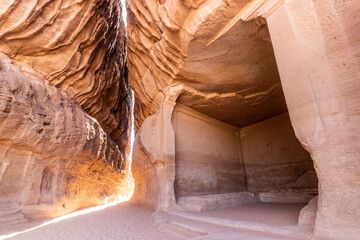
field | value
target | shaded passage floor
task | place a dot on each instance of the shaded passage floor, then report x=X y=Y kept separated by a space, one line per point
x=124 y=221
x=274 y=214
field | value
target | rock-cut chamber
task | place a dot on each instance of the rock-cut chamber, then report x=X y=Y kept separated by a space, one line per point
x=233 y=135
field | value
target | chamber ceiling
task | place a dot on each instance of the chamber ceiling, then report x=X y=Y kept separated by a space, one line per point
x=236 y=76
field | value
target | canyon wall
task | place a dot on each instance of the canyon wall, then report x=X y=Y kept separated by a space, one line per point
x=78 y=47
x=65 y=106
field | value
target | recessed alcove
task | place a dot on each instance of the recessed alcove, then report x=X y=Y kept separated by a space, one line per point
x=47 y=185
x=234 y=142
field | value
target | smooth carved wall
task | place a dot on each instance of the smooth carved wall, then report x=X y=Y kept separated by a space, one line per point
x=206 y=155
x=274 y=158
x=317 y=49
x=209 y=156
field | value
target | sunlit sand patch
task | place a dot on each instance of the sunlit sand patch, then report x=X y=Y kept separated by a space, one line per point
x=119 y=199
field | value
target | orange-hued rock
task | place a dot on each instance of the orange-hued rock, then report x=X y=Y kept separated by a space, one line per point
x=76 y=46
x=65 y=106
x=201 y=55
x=257 y=99
x=54 y=157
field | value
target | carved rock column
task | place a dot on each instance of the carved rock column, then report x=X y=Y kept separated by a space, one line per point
x=154 y=156
x=317 y=49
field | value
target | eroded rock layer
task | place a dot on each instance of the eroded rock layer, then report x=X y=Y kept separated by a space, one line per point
x=52 y=152
x=159 y=38
x=76 y=46
x=65 y=105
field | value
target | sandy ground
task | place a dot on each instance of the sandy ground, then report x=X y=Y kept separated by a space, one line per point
x=129 y=221
x=274 y=214
x=124 y=221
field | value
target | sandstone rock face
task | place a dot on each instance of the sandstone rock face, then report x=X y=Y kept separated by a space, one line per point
x=52 y=152
x=206 y=155
x=198 y=55
x=76 y=46
x=154 y=167
x=308 y=213
x=216 y=57
x=212 y=157
x=65 y=105
x=219 y=65
x=174 y=41
x=273 y=158
x=324 y=109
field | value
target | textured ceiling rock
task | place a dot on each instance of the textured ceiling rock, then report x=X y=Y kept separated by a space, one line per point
x=76 y=46
x=207 y=46
x=235 y=108
x=235 y=77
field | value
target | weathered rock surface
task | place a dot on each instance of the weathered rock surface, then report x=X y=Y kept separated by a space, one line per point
x=182 y=41
x=274 y=160
x=188 y=43
x=76 y=46
x=308 y=213
x=317 y=49
x=65 y=105
x=52 y=152
x=216 y=201
x=154 y=165
x=227 y=71
x=220 y=54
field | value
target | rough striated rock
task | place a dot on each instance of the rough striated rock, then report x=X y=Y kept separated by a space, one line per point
x=226 y=69
x=54 y=157
x=78 y=47
x=65 y=105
